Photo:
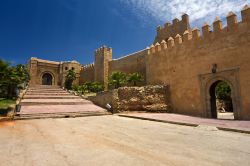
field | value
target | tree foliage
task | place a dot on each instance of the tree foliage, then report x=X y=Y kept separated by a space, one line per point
x=89 y=87
x=223 y=91
x=134 y=78
x=10 y=78
x=117 y=79
x=70 y=77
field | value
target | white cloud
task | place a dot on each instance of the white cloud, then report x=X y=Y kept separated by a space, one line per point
x=199 y=10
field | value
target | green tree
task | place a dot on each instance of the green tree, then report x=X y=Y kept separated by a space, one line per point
x=117 y=79
x=134 y=78
x=223 y=91
x=70 y=77
x=11 y=77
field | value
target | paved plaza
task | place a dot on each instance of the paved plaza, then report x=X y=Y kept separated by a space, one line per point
x=113 y=140
x=233 y=125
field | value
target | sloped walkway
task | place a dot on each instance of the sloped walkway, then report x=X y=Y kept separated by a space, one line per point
x=54 y=102
x=230 y=125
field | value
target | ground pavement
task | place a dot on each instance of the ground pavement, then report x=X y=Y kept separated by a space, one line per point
x=54 y=102
x=230 y=125
x=113 y=140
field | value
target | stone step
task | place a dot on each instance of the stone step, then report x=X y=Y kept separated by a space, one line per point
x=52 y=87
x=52 y=94
x=45 y=109
x=50 y=97
x=47 y=91
x=78 y=101
x=60 y=115
x=35 y=90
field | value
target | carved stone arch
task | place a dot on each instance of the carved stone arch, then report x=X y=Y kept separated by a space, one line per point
x=231 y=77
x=47 y=72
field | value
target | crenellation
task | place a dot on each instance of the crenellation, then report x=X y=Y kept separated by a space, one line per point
x=175 y=21
x=187 y=36
x=170 y=42
x=217 y=25
x=157 y=47
x=159 y=28
x=196 y=33
x=245 y=14
x=152 y=49
x=232 y=21
x=206 y=30
x=171 y=30
x=164 y=45
x=178 y=39
x=185 y=18
x=88 y=67
x=166 y=25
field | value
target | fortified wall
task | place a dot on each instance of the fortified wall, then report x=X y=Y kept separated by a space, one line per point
x=191 y=64
x=104 y=65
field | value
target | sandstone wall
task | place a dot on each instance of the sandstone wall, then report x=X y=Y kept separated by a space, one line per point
x=129 y=64
x=87 y=74
x=58 y=71
x=184 y=62
x=148 y=98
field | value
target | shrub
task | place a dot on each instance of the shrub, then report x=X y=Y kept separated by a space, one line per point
x=118 y=79
x=70 y=77
x=96 y=87
x=10 y=78
x=134 y=78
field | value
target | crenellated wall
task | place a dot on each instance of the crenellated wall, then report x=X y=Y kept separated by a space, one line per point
x=189 y=63
x=170 y=30
x=180 y=57
x=87 y=73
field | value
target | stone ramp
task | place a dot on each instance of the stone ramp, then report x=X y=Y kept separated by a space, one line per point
x=54 y=102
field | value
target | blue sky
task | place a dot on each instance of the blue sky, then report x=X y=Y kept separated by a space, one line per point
x=72 y=29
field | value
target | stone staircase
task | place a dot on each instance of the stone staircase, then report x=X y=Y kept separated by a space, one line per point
x=54 y=102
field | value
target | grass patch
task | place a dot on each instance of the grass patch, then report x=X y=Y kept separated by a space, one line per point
x=4 y=104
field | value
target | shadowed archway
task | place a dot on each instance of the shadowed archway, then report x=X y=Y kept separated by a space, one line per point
x=47 y=79
x=221 y=101
x=209 y=82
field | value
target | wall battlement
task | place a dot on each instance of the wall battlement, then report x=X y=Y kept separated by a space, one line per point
x=88 y=67
x=194 y=36
x=170 y=30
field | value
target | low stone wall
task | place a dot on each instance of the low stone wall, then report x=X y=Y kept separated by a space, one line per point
x=102 y=98
x=147 y=98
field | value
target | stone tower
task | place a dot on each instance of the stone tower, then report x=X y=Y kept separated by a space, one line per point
x=103 y=56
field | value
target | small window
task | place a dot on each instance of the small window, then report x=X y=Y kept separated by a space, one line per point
x=73 y=68
x=66 y=68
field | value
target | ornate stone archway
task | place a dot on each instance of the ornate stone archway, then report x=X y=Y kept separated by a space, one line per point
x=231 y=77
x=47 y=78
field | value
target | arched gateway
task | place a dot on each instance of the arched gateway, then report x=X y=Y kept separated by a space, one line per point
x=208 y=86
x=47 y=79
